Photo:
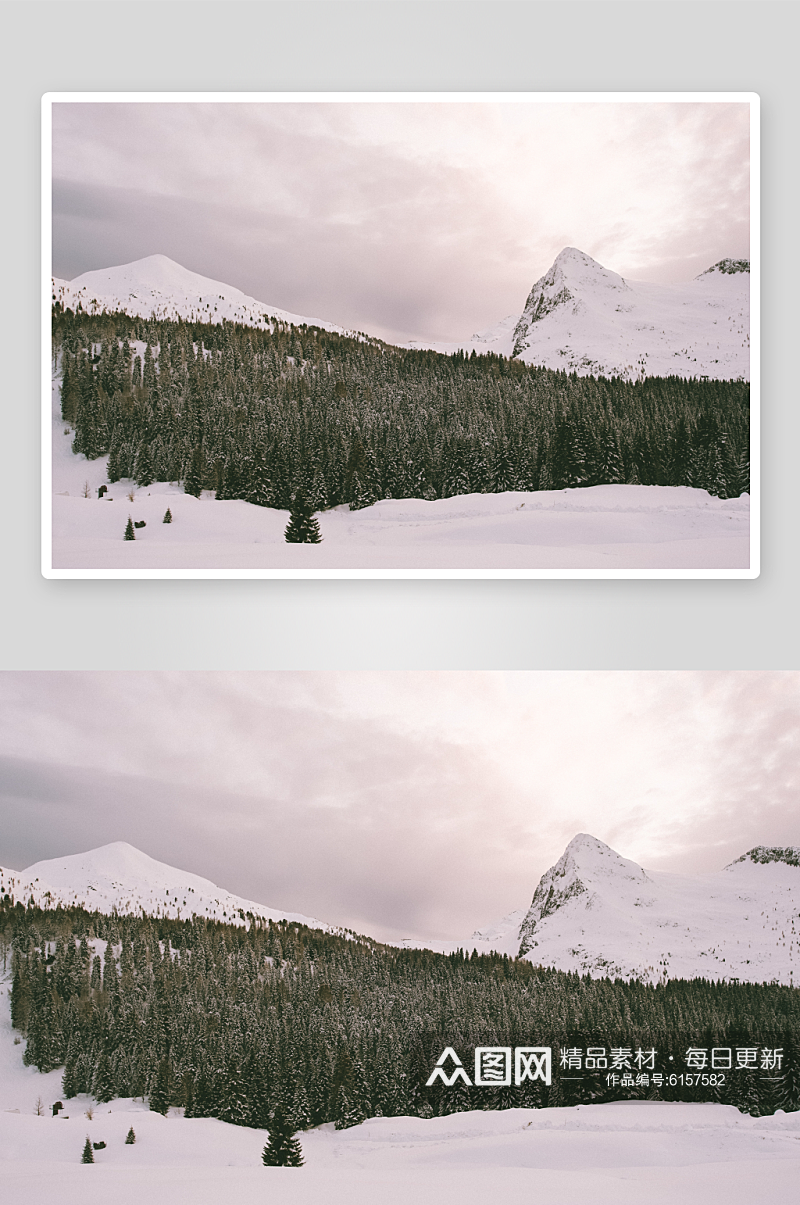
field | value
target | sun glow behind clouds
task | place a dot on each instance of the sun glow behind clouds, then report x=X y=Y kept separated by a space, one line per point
x=433 y=219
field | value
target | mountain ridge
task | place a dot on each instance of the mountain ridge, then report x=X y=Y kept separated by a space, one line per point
x=593 y=912
x=119 y=877
x=579 y=316
x=156 y=286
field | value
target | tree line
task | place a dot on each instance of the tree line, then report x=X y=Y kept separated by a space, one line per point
x=237 y=1022
x=271 y=415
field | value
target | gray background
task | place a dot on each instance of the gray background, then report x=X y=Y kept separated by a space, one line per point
x=402 y=46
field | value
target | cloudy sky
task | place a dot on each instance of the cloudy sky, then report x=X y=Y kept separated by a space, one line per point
x=400 y=218
x=399 y=804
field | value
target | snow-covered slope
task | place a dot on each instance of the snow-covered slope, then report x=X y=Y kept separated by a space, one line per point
x=597 y=912
x=583 y=318
x=119 y=877
x=156 y=286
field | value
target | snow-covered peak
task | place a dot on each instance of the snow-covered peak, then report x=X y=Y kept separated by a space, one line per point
x=597 y=912
x=154 y=272
x=114 y=866
x=576 y=268
x=586 y=867
x=594 y=859
x=572 y=278
x=120 y=878
x=158 y=287
x=584 y=318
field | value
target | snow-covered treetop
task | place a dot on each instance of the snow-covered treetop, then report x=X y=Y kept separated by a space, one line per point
x=728 y=267
x=771 y=853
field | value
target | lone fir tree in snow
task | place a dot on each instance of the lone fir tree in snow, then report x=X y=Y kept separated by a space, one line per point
x=282 y=1149
x=130 y=1137
x=302 y=527
x=87 y=1156
x=167 y=516
x=130 y=534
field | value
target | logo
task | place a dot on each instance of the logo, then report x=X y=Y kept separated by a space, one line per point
x=493 y=1066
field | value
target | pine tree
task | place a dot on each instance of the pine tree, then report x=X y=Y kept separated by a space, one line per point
x=349 y=1112
x=104 y=1088
x=130 y=1137
x=143 y=469
x=193 y=482
x=130 y=534
x=302 y=527
x=167 y=516
x=160 y=1092
x=301 y=1110
x=88 y=1154
x=68 y=1083
x=282 y=1149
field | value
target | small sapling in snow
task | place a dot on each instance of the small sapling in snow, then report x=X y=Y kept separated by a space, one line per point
x=130 y=1137
x=167 y=516
x=87 y=1156
x=130 y=534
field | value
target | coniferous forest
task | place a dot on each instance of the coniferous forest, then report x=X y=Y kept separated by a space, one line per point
x=268 y=415
x=237 y=1022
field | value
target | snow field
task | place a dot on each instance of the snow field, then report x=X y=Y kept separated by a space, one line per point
x=604 y=527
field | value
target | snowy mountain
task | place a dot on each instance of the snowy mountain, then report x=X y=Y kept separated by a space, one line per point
x=579 y=316
x=156 y=286
x=583 y=318
x=596 y=912
x=119 y=877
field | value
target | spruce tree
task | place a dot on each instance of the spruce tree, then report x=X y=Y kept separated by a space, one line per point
x=143 y=469
x=130 y=1137
x=282 y=1149
x=68 y=1084
x=167 y=516
x=104 y=1087
x=130 y=534
x=302 y=527
x=88 y=1154
x=160 y=1091
x=193 y=482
